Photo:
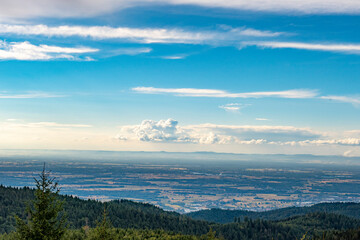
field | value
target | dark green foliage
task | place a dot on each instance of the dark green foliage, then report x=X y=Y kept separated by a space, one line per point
x=131 y=220
x=125 y=234
x=13 y=202
x=102 y=230
x=44 y=220
x=227 y=216
x=121 y=213
x=318 y=222
x=352 y=234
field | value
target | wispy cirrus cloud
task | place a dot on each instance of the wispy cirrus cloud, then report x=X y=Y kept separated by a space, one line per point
x=216 y=93
x=85 y=8
x=194 y=92
x=126 y=51
x=174 y=57
x=353 y=100
x=27 y=51
x=342 y=48
x=143 y=35
x=262 y=119
x=222 y=36
x=29 y=95
x=20 y=123
x=232 y=107
x=343 y=141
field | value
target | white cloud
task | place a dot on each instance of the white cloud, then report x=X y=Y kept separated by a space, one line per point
x=343 y=48
x=84 y=8
x=29 y=95
x=28 y=51
x=232 y=107
x=353 y=133
x=154 y=131
x=143 y=35
x=126 y=51
x=262 y=119
x=345 y=99
x=299 y=6
x=174 y=57
x=267 y=133
x=194 y=92
x=250 y=32
x=16 y=123
x=223 y=36
x=57 y=125
x=216 y=93
x=345 y=141
x=169 y=131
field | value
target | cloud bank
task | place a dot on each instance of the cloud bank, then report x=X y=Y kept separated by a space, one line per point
x=141 y=35
x=169 y=131
x=223 y=36
x=86 y=8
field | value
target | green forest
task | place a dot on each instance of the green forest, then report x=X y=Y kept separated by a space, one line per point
x=349 y=209
x=43 y=213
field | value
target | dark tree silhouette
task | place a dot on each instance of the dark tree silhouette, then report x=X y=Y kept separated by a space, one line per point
x=46 y=220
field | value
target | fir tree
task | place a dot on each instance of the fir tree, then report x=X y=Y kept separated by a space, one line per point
x=45 y=218
x=103 y=229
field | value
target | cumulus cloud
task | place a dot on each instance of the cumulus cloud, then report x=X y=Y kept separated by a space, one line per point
x=194 y=92
x=156 y=131
x=28 y=51
x=84 y=8
x=343 y=48
x=169 y=131
x=142 y=35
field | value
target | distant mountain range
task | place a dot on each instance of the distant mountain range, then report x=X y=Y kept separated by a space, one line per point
x=160 y=156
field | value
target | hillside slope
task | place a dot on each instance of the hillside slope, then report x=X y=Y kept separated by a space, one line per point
x=227 y=216
x=124 y=214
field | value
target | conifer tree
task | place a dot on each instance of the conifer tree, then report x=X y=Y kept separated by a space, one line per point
x=103 y=229
x=46 y=220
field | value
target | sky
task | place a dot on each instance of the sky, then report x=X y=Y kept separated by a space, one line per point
x=261 y=76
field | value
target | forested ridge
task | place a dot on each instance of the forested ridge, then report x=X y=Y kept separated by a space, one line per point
x=132 y=220
x=226 y=216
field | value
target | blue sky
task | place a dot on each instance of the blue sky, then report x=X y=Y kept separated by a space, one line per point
x=186 y=75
